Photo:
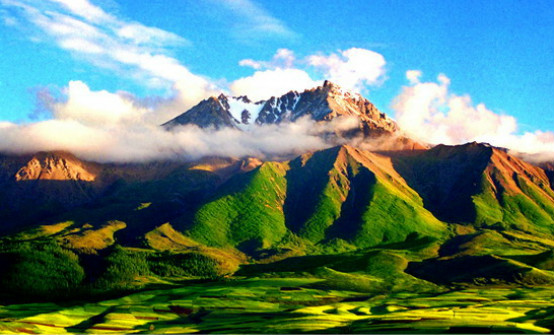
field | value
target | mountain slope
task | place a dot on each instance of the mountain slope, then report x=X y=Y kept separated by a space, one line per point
x=209 y=113
x=361 y=199
x=40 y=188
x=478 y=184
x=40 y=185
x=338 y=198
x=323 y=103
x=549 y=170
x=350 y=217
x=246 y=213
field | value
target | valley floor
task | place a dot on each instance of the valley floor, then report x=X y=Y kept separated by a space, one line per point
x=291 y=305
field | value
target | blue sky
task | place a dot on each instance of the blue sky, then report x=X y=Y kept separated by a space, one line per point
x=495 y=54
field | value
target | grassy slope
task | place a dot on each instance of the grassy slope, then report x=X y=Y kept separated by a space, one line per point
x=515 y=195
x=379 y=207
x=478 y=184
x=335 y=200
x=246 y=213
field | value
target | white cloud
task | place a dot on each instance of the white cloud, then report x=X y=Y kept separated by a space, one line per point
x=283 y=59
x=82 y=45
x=96 y=108
x=142 y=35
x=130 y=48
x=116 y=127
x=256 y=65
x=264 y=84
x=413 y=76
x=86 y=10
x=118 y=143
x=429 y=112
x=352 y=68
x=252 y=22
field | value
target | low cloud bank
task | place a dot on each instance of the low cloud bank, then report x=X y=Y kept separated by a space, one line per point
x=148 y=142
x=116 y=127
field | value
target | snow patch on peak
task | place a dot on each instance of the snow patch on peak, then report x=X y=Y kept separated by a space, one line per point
x=244 y=112
x=336 y=90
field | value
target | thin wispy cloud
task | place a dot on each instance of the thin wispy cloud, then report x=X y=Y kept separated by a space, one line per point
x=130 y=48
x=251 y=22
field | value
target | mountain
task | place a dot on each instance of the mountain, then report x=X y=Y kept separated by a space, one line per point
x=401 y=217
x=40 y=186
x=210 y=113
x=350 y=218
x=336 y=198
x=323 y=103
x=56 y=166
x=342 y=198
x=36 y=186
x=481 y=185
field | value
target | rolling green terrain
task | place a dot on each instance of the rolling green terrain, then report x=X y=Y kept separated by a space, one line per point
x=451 y=239
x=291 y=305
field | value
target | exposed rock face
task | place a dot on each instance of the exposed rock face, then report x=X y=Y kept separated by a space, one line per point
x=323 y=103
x=209 y=113
x=326 y=103
x=55 y=166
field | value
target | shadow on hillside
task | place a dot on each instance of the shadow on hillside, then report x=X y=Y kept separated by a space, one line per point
x=353 y=208
x=446 y=181
x=305 y=186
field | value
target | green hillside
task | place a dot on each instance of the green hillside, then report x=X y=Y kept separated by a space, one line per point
x=347 y=219
x=329 y=200
x=247 y=212
x=483 y=186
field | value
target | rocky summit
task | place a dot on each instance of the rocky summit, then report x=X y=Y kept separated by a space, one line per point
x=323 y=103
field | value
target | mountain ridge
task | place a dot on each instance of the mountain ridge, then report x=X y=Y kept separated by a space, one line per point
x=468 y=184
x=322 y=103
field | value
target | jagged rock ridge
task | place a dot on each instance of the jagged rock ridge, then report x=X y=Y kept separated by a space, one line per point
x=323 y=103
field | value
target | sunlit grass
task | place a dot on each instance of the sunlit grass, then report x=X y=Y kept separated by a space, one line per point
x=289 y=305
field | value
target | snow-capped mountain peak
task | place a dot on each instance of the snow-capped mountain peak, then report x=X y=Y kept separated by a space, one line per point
x=322 y=103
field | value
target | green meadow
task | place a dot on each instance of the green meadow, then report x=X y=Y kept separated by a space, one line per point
x=290 y=305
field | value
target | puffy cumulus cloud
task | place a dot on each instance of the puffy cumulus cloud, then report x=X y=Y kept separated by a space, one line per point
x=537 y=146
x=77 y=102
x=352 y=69
x=429 y=112
x=264 y=84
x=96 y=107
